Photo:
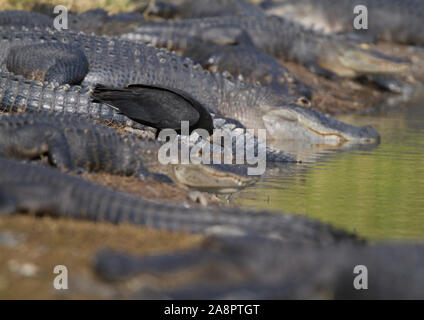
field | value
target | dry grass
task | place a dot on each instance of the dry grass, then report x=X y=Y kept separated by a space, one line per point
x=112 y=6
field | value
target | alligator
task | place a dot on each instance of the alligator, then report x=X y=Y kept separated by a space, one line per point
x=114 y=62
x=244 y=60
x=71 y=142
x=246 y=268
x=398 y=21
x=163 y=10
x=100 y=22
x=24 y=18
x=18 y=94
x=252 y=64
x=97 y=21
x=321 y=53
x=42 y=190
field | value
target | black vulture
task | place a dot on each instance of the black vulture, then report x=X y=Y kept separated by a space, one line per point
x=156 y=106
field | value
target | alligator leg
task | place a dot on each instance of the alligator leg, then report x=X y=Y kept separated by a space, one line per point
x=144 y=173
x=323 y=72
x=113 y=266
x=7 y=202
x=29 y=142
x=17 y=196
x=389 y=83
x=228 y=267
x=51 y=62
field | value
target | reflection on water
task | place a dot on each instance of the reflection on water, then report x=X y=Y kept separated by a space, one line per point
x=377 y=191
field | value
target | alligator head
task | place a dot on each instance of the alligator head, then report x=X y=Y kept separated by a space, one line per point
x=215 y=178
x=350 y=60
x=292 y=122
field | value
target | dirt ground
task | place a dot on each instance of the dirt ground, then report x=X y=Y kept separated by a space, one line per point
x=114 y=6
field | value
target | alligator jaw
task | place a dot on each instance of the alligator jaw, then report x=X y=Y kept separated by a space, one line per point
x=304 y=13
x=291 y=123
x=350 y=61
x=211 y=178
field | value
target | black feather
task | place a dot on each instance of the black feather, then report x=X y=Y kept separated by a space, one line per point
x=156 y=106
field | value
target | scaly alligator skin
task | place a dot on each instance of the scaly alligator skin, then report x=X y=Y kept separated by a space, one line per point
x=24 y=18
x=118 y=63
x=399 y=21
x=56 y=63
x=278 y=37
x=114 y=62
x=96 y=21
x=246 y=268
x=18 y=94
x=71 y=142
x=243 y=59
x=99 y=22
x=26 y=187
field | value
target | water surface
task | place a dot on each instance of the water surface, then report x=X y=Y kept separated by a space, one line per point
x=376 y=191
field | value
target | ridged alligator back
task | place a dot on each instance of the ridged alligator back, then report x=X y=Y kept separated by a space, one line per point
x=74 y=141
x=25 y=186
x=18 y=94
x=274 y=35
x=114 y=62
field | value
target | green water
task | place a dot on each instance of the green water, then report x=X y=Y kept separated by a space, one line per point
x=378 y=193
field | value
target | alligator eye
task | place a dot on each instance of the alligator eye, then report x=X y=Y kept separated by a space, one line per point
x=267 y=79
x=304 y=102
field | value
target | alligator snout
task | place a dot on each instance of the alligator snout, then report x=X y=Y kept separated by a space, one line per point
x=295 y=123
x=369 y=134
